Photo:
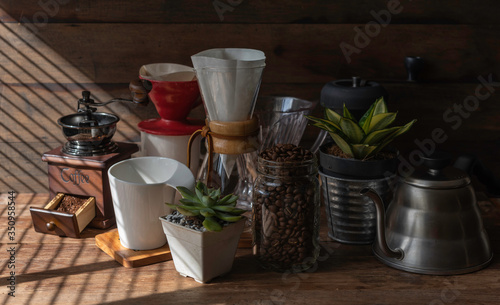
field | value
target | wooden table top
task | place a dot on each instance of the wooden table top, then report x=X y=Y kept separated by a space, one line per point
x=54 y=270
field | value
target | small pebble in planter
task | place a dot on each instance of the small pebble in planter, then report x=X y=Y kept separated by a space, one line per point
x=194 y=224
x=286 y=209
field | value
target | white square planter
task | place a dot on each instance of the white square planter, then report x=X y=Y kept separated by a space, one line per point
x=202 y=255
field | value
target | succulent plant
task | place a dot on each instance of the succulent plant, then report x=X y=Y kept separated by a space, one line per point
x=364 y=138
x=207 y=205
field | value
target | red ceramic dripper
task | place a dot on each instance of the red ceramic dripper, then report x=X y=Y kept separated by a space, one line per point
x=174 y=91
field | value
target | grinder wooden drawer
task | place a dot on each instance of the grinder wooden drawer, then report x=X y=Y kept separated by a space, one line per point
x=50 y=221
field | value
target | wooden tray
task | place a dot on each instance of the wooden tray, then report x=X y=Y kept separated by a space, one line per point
x=109 y=242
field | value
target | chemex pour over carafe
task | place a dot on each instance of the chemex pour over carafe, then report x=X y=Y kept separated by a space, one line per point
x=229 y=81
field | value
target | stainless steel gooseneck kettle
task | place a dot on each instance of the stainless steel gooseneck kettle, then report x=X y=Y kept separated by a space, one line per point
x=433 y=224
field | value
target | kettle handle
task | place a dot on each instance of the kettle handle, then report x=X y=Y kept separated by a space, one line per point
x=382 y=242
x=472 y=165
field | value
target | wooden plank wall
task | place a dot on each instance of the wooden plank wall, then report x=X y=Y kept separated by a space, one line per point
x=51 y=50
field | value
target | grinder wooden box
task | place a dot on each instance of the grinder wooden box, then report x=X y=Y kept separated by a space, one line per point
x=87 y=176
x=50 y=221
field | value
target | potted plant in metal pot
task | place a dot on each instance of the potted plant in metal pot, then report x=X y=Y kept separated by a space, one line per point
x=359 y=157
x=203 y=232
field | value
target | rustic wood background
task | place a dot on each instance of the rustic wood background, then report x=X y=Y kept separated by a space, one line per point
x=52 y=50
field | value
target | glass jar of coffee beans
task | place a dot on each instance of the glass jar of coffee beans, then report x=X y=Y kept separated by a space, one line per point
x=285 y=209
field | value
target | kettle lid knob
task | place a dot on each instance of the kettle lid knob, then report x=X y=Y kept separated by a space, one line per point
x=437 y=161
x=436 y=174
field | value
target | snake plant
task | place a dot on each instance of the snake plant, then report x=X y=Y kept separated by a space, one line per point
x=364 y=138
x=207 y=204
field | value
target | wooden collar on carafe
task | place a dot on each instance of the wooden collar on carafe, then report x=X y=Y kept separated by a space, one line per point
x=232 y=138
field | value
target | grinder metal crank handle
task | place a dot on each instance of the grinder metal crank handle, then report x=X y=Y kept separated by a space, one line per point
x=139 y=91
x=139 y=96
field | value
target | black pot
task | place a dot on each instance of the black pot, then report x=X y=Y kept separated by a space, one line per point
x=357 y=169
x=357 y=94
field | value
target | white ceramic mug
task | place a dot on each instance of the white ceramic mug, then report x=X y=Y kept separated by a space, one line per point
x=140 y=187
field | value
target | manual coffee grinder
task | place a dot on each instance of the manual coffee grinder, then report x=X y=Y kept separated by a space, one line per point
x=79 y=167
x=229 y=81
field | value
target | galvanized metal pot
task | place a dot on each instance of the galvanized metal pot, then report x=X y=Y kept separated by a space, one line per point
x=352 y=219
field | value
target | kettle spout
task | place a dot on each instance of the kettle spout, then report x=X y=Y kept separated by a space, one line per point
x=382 y=242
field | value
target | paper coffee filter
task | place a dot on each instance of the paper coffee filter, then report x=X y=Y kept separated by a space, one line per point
x=167 y=72
x=229 y=58
x=229 y=81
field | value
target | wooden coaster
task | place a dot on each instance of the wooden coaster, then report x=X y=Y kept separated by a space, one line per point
x=109 y=242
